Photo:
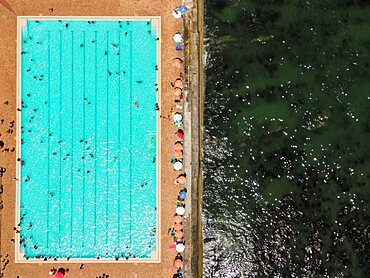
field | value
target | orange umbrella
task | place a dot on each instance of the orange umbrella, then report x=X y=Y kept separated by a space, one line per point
x=179 y=234
x=177 y=146
x=177 y=218
x=177 y=226
x=178 y=83
x=177 y=91
x=178 y=154
x=177 y=62
x=178 y=263
x=181 y=179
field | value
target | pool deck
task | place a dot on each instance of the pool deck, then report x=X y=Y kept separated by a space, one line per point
x=8 y=71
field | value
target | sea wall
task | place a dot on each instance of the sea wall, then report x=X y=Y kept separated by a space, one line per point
x=193 y=129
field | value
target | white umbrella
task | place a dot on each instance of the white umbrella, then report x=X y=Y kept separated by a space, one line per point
x=177 y=37
x=177 y=166
x=176 y=14
x=180 y=210
x=180 y=247
x=177 y=117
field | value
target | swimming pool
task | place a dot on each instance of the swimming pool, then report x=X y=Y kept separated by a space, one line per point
x=88 y=181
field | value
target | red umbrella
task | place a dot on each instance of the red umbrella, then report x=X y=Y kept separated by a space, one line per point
x=180 y=134
x=59 y=275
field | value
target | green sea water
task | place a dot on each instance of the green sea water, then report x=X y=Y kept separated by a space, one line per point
x=287 y=156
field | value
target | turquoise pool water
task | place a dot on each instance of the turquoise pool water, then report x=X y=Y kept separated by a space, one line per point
x=88 y=180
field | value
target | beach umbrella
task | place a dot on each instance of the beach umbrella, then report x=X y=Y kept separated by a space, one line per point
x=180 y=134
x=178 y=123
x=178 y=83
x=178 y=154
x=177 y=166
x=177 y=226
x=176 y=14
x=181 y=179
x=177 y=91
x=177 y=117
x=182 y=9
x=177 y=62
x=59 y=275
x=179 y=234
x=178 y=263
x=182 y=195
x=177 y=146
x=180 y=210
x=177 y=38
x=177 y=219
x=180 y=247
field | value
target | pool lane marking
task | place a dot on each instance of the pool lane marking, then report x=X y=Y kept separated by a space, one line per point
x=83 y=143
x=96 y=112
x=60 y=129
x=119 y=139
x=48 y=192
x=72 y=125
x=107 y=121
x=130 y=103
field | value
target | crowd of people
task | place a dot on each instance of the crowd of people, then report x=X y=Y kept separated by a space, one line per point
x=177 y=229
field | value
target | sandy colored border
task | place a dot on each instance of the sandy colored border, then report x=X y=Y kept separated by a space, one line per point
x=156 y=22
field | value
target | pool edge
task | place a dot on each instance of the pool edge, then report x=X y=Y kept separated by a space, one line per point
x=156 y=22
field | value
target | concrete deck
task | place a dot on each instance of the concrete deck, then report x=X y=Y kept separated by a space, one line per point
x=8 y=39
x=193 y=129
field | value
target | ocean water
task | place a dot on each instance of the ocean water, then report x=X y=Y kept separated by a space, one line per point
x=88 y=180
x=287 y=164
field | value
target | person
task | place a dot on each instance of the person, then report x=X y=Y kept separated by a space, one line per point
x=176 y=182
x=52 y=271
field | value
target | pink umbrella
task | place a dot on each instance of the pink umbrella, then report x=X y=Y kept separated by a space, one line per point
x=59 y=275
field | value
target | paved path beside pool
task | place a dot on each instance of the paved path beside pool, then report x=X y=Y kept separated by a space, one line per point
x=8 y=39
